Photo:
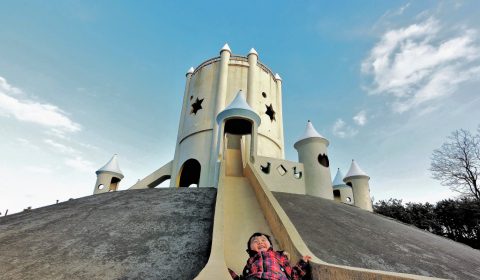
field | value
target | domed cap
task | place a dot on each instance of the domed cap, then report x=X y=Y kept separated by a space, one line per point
x=111 y=167
x=338 y=181
x=190 y=70
x=225 y=48
x=355 y=170
x=239 y=107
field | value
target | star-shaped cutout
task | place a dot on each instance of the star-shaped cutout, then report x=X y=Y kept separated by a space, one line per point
x=270 y=112
x=197 y=105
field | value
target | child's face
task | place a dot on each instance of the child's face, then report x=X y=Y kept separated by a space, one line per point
x=259 y=243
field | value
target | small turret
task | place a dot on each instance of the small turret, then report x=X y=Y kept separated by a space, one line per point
x=312 y=152
x=358 y=180
x=341 y=191
x=226 y=47
x=108 y=177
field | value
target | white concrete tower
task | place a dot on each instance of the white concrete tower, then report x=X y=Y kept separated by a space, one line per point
x=341 y=191
x=211 y=86
x=108 y=177
x=358 y=180
x=312 y=152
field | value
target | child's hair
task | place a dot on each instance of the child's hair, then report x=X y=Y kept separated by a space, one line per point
x=258 y=234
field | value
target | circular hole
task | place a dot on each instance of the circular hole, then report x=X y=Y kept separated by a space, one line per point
x=349 y=199
x=100 y=187
x=264 y=94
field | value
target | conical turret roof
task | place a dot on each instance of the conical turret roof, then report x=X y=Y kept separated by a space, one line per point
x=226 y=47
x=355 y=170
x=112 y=167
x=310 y=132
x=338 y=181
x=253 y=51
x=239 y=107
x=190 y=70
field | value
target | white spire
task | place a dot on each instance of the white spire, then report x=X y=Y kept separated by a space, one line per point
x=190 y=70
x=225 y=48
x=277 y=77
x=239 y=102
x=355 y=170
x=338 y=181
x=253 y=51
x=310 y=132
x=111 y=166
x=239 y=106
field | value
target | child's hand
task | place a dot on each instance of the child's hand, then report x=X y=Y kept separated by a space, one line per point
x=306 y=258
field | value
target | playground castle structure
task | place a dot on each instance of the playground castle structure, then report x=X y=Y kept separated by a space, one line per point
x=232 y=106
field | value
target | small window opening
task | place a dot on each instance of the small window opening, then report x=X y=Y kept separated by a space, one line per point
x=196 y=106
x=350 y=184
x=348 y=199
x=264 y=94
x=270 y=112
x=266 y=169
x=281 y=170
x=297 y=174
x=191 y=97
x=336 y=194
x=323 y=160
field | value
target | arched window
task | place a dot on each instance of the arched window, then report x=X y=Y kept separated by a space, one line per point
x=189 y=173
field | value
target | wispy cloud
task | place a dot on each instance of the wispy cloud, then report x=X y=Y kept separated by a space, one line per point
x=61 y=148
x=27 y=110
x=343 y=130
x=360 y=118
x=422 y=63
x=72 y=157
x=80 y=164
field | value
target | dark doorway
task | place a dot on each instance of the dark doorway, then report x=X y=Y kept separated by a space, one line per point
x=190 y=173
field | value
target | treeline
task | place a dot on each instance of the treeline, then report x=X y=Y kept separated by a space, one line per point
x=458 y=219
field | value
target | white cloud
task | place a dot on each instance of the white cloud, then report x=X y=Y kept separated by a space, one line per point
x=24 y=109
x=360 y=118
x=342 y=130
x=422 y=63
x=61 y=148
x=80 y=164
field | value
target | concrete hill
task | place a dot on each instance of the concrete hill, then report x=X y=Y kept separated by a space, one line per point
x=166 y=234
x=142 y=234
x=345 y=235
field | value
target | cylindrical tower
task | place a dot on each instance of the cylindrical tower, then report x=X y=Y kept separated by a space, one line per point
x=108 y=177
x=341 y=191
x=358 y=180
x=211 y=87
x=312 y=152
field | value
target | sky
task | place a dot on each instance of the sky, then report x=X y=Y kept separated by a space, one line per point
x=384 y=81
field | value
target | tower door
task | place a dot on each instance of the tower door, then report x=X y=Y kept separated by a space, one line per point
x=236 y=146
x=189 y=173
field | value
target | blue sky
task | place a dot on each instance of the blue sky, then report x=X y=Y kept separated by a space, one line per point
x=385 y=81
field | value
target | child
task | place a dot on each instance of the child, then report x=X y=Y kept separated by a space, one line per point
x=265 y=263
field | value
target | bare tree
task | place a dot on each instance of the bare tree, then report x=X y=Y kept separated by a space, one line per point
x=457 y=163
